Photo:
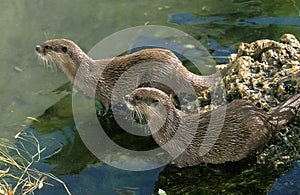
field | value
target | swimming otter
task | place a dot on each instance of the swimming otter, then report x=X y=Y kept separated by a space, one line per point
x=245 y=128
x=70 y=57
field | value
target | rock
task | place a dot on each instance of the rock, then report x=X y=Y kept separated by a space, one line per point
x=265 y=72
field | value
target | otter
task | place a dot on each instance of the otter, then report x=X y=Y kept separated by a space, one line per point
x=70 y=57
x=245 y=129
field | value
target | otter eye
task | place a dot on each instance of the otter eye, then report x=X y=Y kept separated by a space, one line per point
x=138 y=98
x=49 y=47
x=64 y=49
x=155 y=101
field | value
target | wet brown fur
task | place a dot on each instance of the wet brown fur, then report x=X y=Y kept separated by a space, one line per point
x=245 y=129
x=69 y=57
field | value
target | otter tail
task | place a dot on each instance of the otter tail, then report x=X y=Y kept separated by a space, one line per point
x=285 y=112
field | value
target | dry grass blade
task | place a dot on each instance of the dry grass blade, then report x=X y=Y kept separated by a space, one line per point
x=16 y=166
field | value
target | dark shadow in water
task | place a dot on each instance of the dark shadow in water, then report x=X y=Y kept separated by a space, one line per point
x=243 y=177
x=73 y=157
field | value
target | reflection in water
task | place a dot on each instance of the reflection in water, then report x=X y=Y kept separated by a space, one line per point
x=73 y=157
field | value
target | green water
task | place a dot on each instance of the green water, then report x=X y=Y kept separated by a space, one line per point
x=27 y=90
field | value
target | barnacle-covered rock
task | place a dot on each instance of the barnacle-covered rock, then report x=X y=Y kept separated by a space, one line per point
x=265 y=71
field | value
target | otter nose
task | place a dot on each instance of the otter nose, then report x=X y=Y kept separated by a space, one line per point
x=38 y=48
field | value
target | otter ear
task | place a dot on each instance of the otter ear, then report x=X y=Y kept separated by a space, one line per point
x=64 y=49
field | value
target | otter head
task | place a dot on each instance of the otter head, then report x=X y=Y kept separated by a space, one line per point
x=64 y=53
x=151 y=103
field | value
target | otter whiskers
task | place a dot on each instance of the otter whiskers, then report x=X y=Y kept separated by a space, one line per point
x=48 y=63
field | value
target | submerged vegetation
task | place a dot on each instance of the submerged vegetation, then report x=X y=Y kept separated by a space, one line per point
x=18 y=174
